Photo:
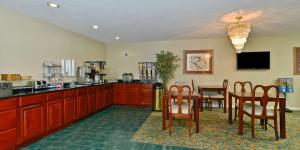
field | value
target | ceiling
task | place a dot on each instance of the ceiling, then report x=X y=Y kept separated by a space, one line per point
x=156 y=20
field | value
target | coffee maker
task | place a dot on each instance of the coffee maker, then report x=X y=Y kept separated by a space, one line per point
x=83 y=74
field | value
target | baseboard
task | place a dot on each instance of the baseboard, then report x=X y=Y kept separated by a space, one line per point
x=292 y=108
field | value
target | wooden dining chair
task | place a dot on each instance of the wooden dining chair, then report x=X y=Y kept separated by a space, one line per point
x=241 y=86
x=264 y=111
x=219 y=96
x=204 y=97
x=181 y=107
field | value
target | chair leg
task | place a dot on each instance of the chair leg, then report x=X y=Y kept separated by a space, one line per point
x=219 y=103
x=222 y=104
x=235 y=111
x=210 y=104
x=170 y=124
x=266 y=124
x=276 y=128
x=252 y=127
x=190 y=126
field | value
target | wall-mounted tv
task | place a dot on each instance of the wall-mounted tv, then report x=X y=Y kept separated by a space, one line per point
x=253 y=60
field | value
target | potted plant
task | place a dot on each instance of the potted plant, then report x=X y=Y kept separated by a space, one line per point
x=166 y=64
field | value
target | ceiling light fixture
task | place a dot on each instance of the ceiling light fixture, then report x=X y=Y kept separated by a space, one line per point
x=117 y=38
x=238 y=33
x=53 y=5
x=95 y=26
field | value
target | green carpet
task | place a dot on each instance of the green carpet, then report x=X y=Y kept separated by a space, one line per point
x=217 y=133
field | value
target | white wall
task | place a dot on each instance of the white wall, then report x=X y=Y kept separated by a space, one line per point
x=26 y=42
x=281 y=49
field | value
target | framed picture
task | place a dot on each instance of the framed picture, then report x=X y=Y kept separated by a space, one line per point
x=297 y=61
x=198 y=61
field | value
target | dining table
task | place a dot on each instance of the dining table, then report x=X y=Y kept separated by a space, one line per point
x=247 y=96
x=217 y=88
x=165 y=109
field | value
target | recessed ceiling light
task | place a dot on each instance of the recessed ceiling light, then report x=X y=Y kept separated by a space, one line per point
x=53 y=5
x=95 y=26
x=117 y=38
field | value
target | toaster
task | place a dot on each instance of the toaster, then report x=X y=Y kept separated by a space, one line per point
x=39 y=84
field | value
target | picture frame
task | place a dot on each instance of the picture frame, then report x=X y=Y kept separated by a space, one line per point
x=198 y=62
x=297 y=61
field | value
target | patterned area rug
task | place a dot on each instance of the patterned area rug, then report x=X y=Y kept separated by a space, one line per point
x=217 y=133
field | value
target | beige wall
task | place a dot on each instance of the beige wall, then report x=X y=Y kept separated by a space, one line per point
x=281 y=49
x=26 y=42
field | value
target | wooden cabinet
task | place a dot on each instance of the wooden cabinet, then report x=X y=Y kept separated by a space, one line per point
x=8 y=123
x=69 y=110
x=99 y=98
x=32 y=116
x=106 y=95
x=81 y=106
x=146 y=94
x=81 y=103
x=91 y=100
x=69 y=106
x=119 y=94
x=54 y=110
x=109 y=95
x=54 y=114
x=132 y=94
x=28 y=118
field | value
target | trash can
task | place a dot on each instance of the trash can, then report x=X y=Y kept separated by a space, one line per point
x=157 y=97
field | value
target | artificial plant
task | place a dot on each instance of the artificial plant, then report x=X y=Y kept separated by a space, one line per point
x=166 y=64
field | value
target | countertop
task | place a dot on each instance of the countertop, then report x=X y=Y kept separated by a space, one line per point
x=32 y=92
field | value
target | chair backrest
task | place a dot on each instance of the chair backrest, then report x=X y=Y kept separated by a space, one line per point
x=225 y=83
x=181 y=94
x=193 y=85
x=265 y=98
x=243 y=86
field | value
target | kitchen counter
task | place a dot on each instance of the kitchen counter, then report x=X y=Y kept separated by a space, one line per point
x=57 y=108
x=49 y=90
x=61 y=89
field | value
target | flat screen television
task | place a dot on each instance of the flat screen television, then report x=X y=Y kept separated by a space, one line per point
x=253 y=60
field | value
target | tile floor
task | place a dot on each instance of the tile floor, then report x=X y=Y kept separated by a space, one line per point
x=111 y=129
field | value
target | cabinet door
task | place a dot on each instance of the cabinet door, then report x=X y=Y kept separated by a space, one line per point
x=8 y=122
x=99 y=100
x=104 y=98
x=54 y=114
x=91 y=103
x=32 y=122
x=132 y=96
x=146 y=94
x=70 y=110
x=117 y=97
x=81 y=106
x=109 y=99
x=8 y=139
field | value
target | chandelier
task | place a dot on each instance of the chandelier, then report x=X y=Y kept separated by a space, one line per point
x=238 y=33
